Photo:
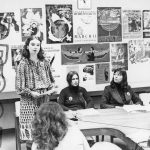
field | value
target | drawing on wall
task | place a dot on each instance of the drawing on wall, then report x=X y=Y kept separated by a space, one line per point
x=84 y=4
x=146 y=23
x=139 y=51
x=16 y=54
x=31 y=23
x=7 y=20
x=109 y=24
x=132 y=23
x=84 y=53
x=86 y=28
x=102 y=73
x=119 y=56
x=3 y=60
x=59 y=26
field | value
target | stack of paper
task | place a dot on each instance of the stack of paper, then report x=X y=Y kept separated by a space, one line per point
x=139 y=108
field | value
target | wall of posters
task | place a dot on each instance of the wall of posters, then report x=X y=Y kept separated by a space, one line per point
x=92 y=38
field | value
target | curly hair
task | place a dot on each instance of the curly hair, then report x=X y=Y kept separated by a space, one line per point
x=124 y=83
x=49 y=126
x=26 y=52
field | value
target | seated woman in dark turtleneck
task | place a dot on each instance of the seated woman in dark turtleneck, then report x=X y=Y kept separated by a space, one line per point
x=74 y=97
x=119 y=93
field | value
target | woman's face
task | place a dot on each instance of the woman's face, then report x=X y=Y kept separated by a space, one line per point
x=117 y=77
x=34 y=47
x=75 y=80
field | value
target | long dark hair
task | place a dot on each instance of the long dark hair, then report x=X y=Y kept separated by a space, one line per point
x=49 y=126
x=26 y=52
x=70 y=75
x=124 y=82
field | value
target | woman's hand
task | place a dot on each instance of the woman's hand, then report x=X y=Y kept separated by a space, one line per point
x=51 y=92
x=35 y=94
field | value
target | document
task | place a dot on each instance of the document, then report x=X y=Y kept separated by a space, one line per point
x=136 y=108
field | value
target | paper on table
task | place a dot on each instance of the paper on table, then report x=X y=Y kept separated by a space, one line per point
x=134 y=108
x=87 y=112
x=140 y=136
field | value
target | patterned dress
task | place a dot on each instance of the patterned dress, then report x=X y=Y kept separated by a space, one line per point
x=31 y=76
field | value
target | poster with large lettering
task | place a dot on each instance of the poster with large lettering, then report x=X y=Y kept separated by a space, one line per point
x=132 y=24
x=59 y=26
x=84 y=53
x=31 y=23
x=109 y=24
x=85 y=26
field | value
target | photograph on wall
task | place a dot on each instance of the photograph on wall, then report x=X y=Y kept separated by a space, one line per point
x=88 y=73
x=139 y=51
x=52 y=54
x=3 y=59
x=16 y=55
x=85 y=53
x=109 y=24
x=85 y=30
x=132 y=24
x=59 y=25
x=146 y=23
x=8 y=24
x=102 y=73
x=119 y=55
x=31 y=23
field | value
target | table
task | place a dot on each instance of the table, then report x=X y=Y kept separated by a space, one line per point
x=117 y=122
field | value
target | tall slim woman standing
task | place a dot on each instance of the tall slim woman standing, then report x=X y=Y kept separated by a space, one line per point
x=34 y=82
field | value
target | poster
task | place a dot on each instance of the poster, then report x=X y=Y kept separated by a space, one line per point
x=52 y=54
x=8 y=24
x=31 y=23
x=109 y=24
x=59 y=25
x=132 y=25
x=16 y=55
x=119 y=56
x=84 y=53
x=146 y=23
x=85 y=30
x=102 y=73
x=3 y=60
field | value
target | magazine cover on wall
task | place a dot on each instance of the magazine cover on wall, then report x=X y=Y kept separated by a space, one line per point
x=146 y=23
x=87 y=74
x=31 y=23
x=3 y=60
x=16 y=55
x=52 y=54
x=59 y=26
x=109 y=24
x=8 y=23
x=85 y=53
x=132 y=24
x=119 y=56
x=102 y=73
x=85 y=30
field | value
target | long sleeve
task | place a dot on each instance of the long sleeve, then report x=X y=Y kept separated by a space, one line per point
x=135 y=98
x=88 y=99
x=105 y=99
x=61 y=100
x=21 y=86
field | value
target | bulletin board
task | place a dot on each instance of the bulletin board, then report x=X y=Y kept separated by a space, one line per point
x=90 y=37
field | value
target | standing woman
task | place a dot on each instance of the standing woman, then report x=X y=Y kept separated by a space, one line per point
x=119 y=93
x=34 y=82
